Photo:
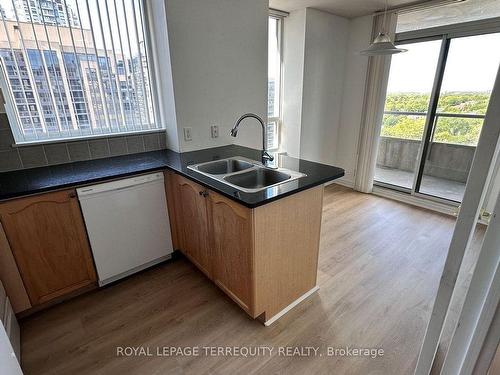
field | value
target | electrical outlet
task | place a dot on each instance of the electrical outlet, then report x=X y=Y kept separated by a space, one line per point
x=187 y=134
x=214 y=131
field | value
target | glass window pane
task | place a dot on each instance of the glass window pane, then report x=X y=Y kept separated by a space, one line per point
x=273 y=83
x=274 y=69
x=457 y=130
x=468 y=79
x=77 y=68
x=411 y=79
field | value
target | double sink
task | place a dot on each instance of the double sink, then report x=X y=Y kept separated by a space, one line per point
x=245 y=174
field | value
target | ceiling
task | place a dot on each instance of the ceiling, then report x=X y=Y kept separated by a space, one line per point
x=344 y=8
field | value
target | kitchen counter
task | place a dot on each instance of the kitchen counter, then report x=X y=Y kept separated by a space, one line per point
x=37 y=180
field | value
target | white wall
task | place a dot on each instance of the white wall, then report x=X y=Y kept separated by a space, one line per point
x=293 y=77
x=163 y=72
x=218 y=50
x=326 y=37
x=324 y=83
x=324 y=91
x=360 y=30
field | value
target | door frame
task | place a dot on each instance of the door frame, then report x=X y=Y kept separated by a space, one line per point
x=464 y=229
x=467 y=352
x=431 y=115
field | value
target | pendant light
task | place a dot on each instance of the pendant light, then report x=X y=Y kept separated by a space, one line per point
x=382 y=44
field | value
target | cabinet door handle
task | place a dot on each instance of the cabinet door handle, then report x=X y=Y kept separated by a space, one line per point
x=204 y=193
x=72 y=195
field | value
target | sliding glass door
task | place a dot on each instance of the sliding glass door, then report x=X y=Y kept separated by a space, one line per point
x=408 y=94
x=437 y=97
x=468 y=78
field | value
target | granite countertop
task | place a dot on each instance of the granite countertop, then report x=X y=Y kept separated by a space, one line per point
x=37 y=180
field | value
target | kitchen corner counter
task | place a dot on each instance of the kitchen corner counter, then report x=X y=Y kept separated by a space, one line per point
x=37 y=180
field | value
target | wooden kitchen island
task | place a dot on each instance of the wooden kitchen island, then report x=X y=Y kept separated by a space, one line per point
x=264 y=258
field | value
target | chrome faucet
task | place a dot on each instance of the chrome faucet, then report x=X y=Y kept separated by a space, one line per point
x=234 y=132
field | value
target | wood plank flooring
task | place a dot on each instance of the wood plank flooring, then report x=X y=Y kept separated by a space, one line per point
x=380 y=263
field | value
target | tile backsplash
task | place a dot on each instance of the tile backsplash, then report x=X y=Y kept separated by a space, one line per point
x=12 y=158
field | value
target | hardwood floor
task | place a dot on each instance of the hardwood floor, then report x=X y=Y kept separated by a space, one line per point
x=380 y=263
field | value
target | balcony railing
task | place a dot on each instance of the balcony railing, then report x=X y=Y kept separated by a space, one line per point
x=444 y=159
x=437 y=116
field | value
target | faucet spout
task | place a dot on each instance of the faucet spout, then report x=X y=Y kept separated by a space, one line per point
x=234 y=132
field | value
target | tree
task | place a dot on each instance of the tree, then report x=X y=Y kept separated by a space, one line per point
x=448 y=129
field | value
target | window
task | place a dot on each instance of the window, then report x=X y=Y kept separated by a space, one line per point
x=408 y=94
x=436 y=102
x=75 y=68
x=274 y=82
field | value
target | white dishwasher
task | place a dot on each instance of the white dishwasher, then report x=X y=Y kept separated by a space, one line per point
x=127 y=224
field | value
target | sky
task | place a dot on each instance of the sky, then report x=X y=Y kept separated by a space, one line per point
x=471 y=66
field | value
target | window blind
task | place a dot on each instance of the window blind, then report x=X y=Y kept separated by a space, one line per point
x=75 y=68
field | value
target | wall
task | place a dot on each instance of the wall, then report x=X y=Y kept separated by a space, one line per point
x=293 y=78
x=12 y=158
x=448 y=161
x=218 y=51
x=398 y=153
x=213 y=68
x=162 y=73
x=336 y=141
x=324 y=84
x=325 y=47
x=360 y=30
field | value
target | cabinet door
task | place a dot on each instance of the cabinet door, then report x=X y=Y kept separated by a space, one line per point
x=193 y=226
x=232 y=236
x=173 y=206
x=48 y=239
x=10 y=276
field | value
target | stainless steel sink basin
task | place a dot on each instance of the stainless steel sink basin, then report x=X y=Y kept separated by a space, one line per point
x=257 y=178
x=224 y=166
x=245 y=174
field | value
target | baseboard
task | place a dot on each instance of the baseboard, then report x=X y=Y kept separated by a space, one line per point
x=273 y=319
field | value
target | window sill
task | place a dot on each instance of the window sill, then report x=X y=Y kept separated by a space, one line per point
x=84 y=138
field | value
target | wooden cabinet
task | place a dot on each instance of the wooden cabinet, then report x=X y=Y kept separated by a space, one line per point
x=192 y=222
x=10 y=276
x=232 y=248
x=264 y=258
x=47 y=237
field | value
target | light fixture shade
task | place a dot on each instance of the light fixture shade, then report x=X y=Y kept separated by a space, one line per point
x=382 y=45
